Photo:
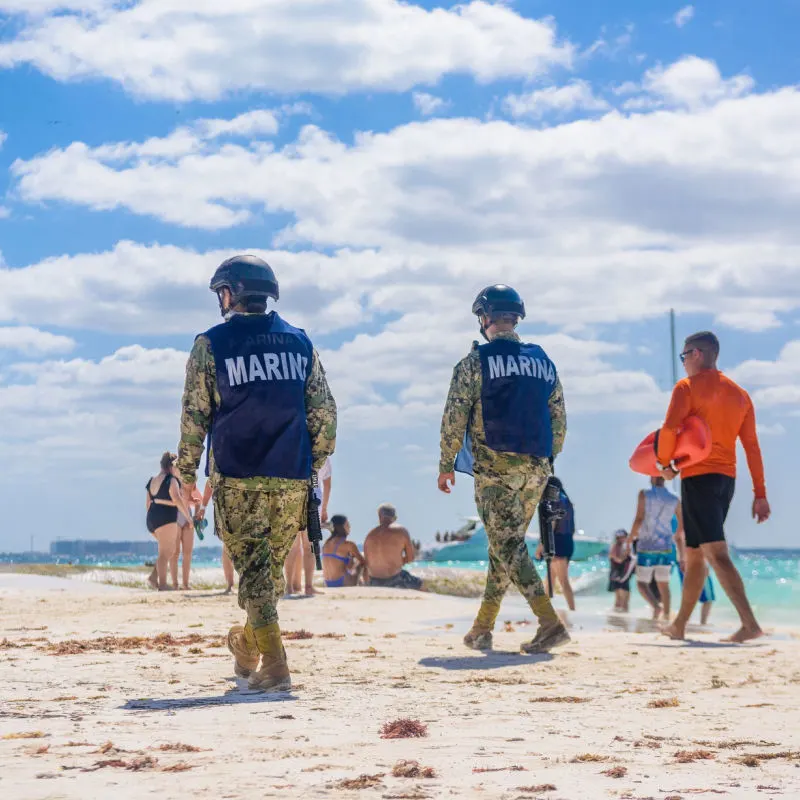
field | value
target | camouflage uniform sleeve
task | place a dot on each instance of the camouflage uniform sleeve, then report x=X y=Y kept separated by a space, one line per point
x=464 y=392
x=198 y=408
x=320 y=413
x=558 y=417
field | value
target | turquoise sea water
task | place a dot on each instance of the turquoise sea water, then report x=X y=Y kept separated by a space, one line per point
x=771 y=580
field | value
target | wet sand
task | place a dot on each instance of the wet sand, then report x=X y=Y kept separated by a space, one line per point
x=125 y=693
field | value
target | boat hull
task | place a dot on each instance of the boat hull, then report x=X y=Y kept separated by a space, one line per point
x=477 y=549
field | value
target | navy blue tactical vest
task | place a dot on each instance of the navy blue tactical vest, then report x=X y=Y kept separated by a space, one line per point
x=262 y=366
x=517 y=381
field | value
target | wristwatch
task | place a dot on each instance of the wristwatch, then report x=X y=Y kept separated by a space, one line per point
x=672 y=465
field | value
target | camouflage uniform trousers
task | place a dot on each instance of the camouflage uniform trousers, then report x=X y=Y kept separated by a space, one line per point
x=506 y=505
x=258 y=528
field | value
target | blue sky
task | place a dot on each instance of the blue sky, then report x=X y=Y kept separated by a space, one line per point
x=609 y=160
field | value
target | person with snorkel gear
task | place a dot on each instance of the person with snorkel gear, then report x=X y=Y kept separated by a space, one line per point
x=504 y=422
x=256 y=384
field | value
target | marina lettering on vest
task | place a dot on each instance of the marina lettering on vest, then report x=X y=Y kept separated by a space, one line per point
x=266 y=367
x=506 y=365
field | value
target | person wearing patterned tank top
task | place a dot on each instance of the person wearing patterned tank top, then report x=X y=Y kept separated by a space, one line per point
x=652 y=530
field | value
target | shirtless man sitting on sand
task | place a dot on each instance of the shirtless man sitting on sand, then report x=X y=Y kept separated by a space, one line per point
x=387 y=549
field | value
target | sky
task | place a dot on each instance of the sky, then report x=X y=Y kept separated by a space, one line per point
x=609 y=160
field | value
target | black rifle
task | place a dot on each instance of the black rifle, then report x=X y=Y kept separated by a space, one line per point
x=313 y=525
x=551 y=512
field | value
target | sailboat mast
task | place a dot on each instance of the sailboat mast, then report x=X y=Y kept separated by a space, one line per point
x=673 y=350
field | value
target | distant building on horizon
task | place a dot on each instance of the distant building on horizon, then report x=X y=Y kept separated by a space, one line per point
x=81 y=548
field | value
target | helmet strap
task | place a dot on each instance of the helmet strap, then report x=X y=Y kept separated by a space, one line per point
x=224 y=312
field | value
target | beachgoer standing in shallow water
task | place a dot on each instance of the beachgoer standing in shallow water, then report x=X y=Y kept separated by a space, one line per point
x=707 y=488
x=656 y=542
x=387 y=549
x=506 y=410
x=256 y=384
x=185 y=542
x=619 y=561
x=164 y=502
x=341 y=560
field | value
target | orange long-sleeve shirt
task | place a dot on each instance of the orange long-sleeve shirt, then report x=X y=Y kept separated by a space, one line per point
x=728 y=411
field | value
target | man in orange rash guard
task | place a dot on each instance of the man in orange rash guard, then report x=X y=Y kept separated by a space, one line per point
x=707 y=488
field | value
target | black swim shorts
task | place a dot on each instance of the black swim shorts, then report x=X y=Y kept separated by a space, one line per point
x=705 y=500
x=403 y=580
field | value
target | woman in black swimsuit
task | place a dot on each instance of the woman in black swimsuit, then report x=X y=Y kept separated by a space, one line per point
x=164 y=500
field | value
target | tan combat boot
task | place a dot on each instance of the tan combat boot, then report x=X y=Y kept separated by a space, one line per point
x=547 y=637
x=480 y=635
x=243 y=646
x=273 y=676
x=478 y=639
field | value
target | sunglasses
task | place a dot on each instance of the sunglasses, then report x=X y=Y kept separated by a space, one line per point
x=686 y=353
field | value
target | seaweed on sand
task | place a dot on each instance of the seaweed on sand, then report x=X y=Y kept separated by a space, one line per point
x=404 y=729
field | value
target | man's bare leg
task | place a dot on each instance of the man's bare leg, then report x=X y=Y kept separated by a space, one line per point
x=663 y=588
x=693 y=580
x=309 y=565
x=705 y=612
x=293 y=566
x=227 y=569
x=731 y=581
x=645 y=591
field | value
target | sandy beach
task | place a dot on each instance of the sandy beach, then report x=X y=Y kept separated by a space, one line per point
x=119 y=692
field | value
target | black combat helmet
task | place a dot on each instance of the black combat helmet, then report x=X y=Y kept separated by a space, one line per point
x=247 y=278
x=498 y=299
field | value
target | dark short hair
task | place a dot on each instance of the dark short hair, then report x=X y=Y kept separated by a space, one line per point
x=706 y=342
x=338 y=521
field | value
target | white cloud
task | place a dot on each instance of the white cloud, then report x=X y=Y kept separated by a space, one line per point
x=684 y=16
x=575 y=96
x=428 y=104
x=634 y=214
x=252 y=123
x=777 y=382
x=771 y=430
x=690 y=83
x=5 y=212
x=24 y=339
x=181 y=49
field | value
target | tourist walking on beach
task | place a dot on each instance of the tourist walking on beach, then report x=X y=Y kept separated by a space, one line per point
x=164 y=502
x=506 y=410
x=256 y=384
x=300 y=562
x=655 y=543
x=342 y=563
x=387 y=549
x=707 y=488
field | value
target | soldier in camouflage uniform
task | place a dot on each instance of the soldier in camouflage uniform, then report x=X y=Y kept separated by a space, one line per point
x=504 y=422
x=256 y=388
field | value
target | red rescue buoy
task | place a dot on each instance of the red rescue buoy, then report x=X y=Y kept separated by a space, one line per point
x=693 y=446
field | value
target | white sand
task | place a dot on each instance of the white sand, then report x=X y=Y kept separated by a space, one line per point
x=397 y=659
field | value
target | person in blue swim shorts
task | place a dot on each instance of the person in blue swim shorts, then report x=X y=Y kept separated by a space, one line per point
x=653 y=534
